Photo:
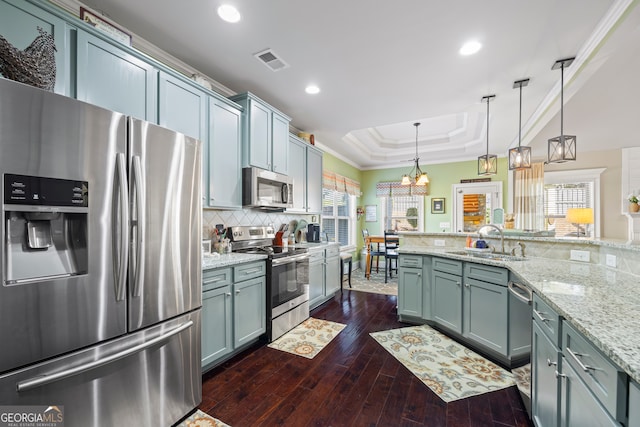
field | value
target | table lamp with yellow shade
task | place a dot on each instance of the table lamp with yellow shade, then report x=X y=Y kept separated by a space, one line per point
x=579 y=216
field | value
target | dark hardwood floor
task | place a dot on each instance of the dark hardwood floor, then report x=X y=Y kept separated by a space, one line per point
x=352 y=382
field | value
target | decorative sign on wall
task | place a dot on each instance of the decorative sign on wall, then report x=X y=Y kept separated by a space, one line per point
x=371 y=213
x=105 y=27
x=466 y=181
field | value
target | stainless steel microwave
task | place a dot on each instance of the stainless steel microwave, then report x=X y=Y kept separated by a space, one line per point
x=266 y=190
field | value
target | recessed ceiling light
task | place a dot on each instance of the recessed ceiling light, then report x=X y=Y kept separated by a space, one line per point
x=470 y=47
x=229 y=13
x=312 y=89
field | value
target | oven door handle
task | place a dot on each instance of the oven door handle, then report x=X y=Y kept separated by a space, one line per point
x=289 y=259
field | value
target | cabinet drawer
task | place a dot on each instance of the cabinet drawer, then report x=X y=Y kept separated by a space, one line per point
x=212 y=279
x=446 y=265
x=410 y=261
x=486 y=273
x=316 y=256
x=548 y=320
x=332 y=250
x=249 y=271
x=603 y=378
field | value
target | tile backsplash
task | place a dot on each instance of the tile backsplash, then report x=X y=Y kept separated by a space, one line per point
x=212 y=217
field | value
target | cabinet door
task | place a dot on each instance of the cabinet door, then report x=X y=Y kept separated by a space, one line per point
x=249 y=310
x=280 y=144
x=259 y=137
x=182 y=107
x=298 y=172
x=19 y=22
x=314 y=180
x=332 y=275
x=216 y=324
x=485 y=313
x=316 y=279
x=111 y=78
x=545 y=387
x=427 y=277
x=634 y=404
x=410 y=292
x=224 y=171
x=447 y=300
x=579 y=406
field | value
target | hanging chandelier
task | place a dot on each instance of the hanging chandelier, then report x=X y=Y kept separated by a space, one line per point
x=562 y=148
x=420 y=177
x=488 y=163
x=520 y=157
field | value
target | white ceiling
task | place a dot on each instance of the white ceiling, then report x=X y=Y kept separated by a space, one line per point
x=383 y=65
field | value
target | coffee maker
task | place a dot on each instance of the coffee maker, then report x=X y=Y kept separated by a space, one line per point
x=313 y=233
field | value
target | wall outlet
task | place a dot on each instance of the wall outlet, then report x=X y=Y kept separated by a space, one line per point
x=612 y=261
x=444 y=225
x=579 y=256
x=439 y=242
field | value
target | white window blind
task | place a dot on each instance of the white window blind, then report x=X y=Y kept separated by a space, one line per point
x=559 y=197
x=337 y=216
x=404 y=213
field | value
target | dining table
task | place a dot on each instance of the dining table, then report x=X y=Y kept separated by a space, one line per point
x=373 y=240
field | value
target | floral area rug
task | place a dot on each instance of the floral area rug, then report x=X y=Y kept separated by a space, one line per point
x=375 y=284
x=200 y=419
x=449 y=369
x=308 y=338
x=522 y=376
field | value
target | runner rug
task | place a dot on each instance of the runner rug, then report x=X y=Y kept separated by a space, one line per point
x=308 y=338
x=375 y=284
x=449 y=369
x=200 y=419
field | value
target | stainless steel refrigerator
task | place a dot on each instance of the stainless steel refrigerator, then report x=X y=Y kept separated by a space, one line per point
x=101 y=278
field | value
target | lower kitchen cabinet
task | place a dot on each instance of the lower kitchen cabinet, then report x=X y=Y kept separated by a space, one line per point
x=332 y=269
x=324 y=273
x=485 y=308
x=447 y=300
x=545 y=387
x=233 y=310
x=410 y=288
x=634 y=404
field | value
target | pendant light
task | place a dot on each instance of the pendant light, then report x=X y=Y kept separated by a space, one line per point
x=488 y=164
x=562 y=148
x=520 y=157
x=420 y=177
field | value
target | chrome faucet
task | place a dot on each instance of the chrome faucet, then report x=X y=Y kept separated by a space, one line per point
x=522 y=247
x=499 y=231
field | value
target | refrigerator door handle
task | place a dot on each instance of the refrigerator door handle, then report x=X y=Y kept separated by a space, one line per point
x=44 y=379
x=122 y=237
x=139 y=224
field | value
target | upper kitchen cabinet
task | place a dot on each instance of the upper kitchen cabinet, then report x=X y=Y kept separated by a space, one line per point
x=19 y=22
x=265 y=133
x=111 y=77
x=305 y=167
x=224 y=170
x=182 y=106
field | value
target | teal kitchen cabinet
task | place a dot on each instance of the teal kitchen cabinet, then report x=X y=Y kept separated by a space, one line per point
x=249 y=302
x=224 y=150
x=110 y=77
x=314 y=180
x=216 y=314
x=485 y=306
x=316 y=277
x=410 y=286
x=332 y=269
x=447 y=293
x=298 y=172
x=19 y=22
x=545 y=387
x=259 y=120
x=634 y=404
x=182 y=107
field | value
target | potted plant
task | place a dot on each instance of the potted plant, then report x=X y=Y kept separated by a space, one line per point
x=633 y=203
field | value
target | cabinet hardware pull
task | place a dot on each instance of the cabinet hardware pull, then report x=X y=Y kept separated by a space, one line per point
x=466 y=285
x=228 y=294
x=578 y=361
x=458 y=283
x=237 y=291
x=550 y=363
x=542 y=318
x=559 y=375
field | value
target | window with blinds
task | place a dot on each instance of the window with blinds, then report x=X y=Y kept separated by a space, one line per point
x=337 y=216
x=404 y=213
x=560 y=197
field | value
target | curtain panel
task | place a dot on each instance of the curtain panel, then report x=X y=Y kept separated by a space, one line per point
x=395 y=189
x=529 y=198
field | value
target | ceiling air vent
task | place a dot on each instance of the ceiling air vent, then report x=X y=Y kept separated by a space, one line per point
x=271 y=60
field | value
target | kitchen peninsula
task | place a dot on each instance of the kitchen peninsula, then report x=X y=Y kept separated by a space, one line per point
x=597 y=297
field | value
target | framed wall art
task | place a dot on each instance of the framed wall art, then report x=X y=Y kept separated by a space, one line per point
x=437 y=206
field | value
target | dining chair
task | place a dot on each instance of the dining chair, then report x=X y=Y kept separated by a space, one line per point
x=390 y=253
x=377 y=252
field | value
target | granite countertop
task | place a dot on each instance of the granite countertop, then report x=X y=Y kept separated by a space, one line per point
x=601 y=302
x=225 y=260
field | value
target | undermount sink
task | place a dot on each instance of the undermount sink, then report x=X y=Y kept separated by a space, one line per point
x=496 y=256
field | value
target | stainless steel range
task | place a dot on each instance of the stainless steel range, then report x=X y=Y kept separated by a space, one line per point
x=287 y=277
